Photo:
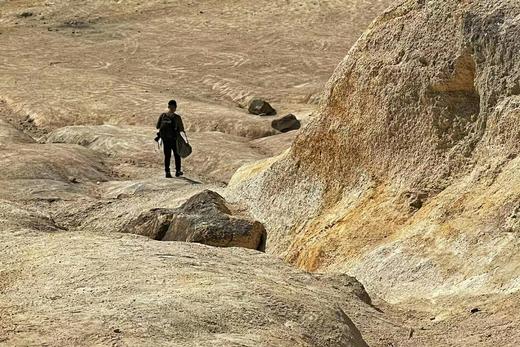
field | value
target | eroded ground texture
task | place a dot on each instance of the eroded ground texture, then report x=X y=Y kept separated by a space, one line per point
x=404 y=173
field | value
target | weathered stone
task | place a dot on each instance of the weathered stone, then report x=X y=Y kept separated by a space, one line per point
x=153 y=224
x=88 y=290
x=261 y=107
x=205 y=219
x=426 y=101
x=25 y=14
x=286 y=123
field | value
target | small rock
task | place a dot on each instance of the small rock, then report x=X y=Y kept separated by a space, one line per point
x=286 y=123
x=117 y=331
x=74 y=23
x=475 y=310
x=73 y=180
x=25 y=14
x=261 y=107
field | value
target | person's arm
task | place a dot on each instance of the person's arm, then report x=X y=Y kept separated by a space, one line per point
x=181 y=125
x=158 y=126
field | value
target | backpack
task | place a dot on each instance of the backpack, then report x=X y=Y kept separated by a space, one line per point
x=167 y=128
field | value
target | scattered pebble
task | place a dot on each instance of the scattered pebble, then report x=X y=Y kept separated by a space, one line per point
x=25 y=14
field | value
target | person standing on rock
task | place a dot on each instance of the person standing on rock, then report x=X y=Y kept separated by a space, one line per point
x=170 y=127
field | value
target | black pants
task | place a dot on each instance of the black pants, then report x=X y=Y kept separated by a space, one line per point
x=170 y=146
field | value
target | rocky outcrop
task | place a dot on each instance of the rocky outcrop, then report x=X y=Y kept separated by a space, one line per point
x=286 y=123
x=261 y=107
x=53 y=162
x=96 y=290
x=410 y=168
x=205 y=219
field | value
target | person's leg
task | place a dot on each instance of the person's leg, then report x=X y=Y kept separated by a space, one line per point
x=178 y=170
x=177 y=163
x=167 y=156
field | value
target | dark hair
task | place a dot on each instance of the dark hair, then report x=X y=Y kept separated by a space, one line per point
x=172 y=103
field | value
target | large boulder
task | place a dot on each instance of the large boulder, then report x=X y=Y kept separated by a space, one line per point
x=261 y=107
x=408 y=176
x=205 y=219
x=153 y=223
x=286 y=123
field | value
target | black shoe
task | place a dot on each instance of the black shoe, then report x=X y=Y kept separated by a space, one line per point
x=179 y=173
x=169 y=175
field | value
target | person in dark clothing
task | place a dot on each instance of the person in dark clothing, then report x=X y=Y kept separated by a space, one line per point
x=170 y=127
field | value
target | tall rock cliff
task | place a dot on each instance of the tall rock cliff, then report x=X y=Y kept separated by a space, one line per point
x=408 y=177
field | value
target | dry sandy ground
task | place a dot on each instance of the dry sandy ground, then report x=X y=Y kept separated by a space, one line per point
x=118 y=62
x=85 y=81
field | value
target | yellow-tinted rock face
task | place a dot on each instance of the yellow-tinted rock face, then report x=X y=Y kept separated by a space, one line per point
x=407 y=176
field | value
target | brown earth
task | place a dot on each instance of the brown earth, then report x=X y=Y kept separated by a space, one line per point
x=423 y=208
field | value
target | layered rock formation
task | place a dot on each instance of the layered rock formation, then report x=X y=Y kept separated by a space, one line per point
x=35 y=171
x=408 y=177
x=225 y=53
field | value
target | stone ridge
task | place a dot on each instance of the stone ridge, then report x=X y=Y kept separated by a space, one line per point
x=406 y=176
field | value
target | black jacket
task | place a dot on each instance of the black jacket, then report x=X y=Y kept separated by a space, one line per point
x=169 y=125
